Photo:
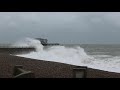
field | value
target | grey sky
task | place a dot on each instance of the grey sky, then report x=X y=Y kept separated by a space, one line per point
x=62 y=27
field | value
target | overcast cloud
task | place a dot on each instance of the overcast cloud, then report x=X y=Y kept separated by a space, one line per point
x=62 y=27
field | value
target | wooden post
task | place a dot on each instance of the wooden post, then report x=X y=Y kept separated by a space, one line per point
x=80 y=72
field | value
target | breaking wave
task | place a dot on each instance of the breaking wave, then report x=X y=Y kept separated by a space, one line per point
x=73 y=56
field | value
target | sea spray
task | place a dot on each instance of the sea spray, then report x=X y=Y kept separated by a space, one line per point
x=28 y=42
x=72 y=55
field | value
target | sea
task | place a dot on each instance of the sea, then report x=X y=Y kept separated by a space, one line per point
x=104 y=57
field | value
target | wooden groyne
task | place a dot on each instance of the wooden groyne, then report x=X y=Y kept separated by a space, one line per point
x=16 y=50
x=44 y=42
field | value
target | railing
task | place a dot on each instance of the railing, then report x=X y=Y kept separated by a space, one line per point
x=19 y=72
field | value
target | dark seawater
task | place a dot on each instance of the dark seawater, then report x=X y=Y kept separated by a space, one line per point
x=113 y=50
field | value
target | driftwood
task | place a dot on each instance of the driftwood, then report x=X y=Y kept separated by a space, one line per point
x=19 y=72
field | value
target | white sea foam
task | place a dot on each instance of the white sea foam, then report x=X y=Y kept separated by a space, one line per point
x=28 y=42
x=74 y=56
